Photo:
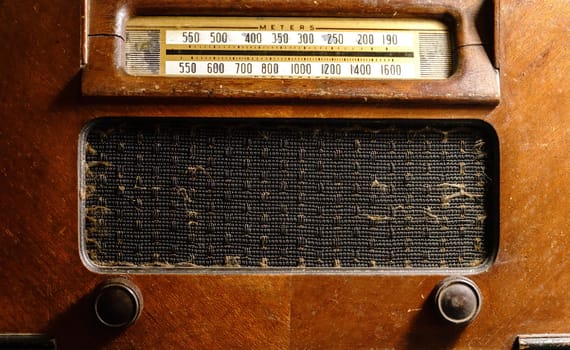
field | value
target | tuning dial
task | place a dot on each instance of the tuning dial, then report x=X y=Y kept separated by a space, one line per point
x=458 y=300
x=118 y=303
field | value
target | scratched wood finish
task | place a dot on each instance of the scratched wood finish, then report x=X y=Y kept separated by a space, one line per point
x=474 y=80
x=45 y=287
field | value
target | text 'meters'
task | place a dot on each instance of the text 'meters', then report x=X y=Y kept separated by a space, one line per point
x=271 y=47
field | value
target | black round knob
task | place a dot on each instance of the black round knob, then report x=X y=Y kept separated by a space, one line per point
x=118 y=303
x=458 y=300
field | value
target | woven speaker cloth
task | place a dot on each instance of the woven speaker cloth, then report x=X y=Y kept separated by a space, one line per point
x=284 y=194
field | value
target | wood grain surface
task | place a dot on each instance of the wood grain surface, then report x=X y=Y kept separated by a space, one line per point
x=45 y=288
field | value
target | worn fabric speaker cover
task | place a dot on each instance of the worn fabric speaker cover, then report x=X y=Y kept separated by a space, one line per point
x=288 y=195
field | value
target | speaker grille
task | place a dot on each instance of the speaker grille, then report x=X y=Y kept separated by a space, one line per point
x=188 y=193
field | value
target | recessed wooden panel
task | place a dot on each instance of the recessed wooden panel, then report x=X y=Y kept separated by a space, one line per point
x=473 y=78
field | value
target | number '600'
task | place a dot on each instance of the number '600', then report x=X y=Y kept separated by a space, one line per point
x=215 y=68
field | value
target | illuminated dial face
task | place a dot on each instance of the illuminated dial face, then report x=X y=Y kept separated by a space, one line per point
x=285 y=48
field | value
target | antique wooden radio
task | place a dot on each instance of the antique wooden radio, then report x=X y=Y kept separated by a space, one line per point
x=286 y=174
